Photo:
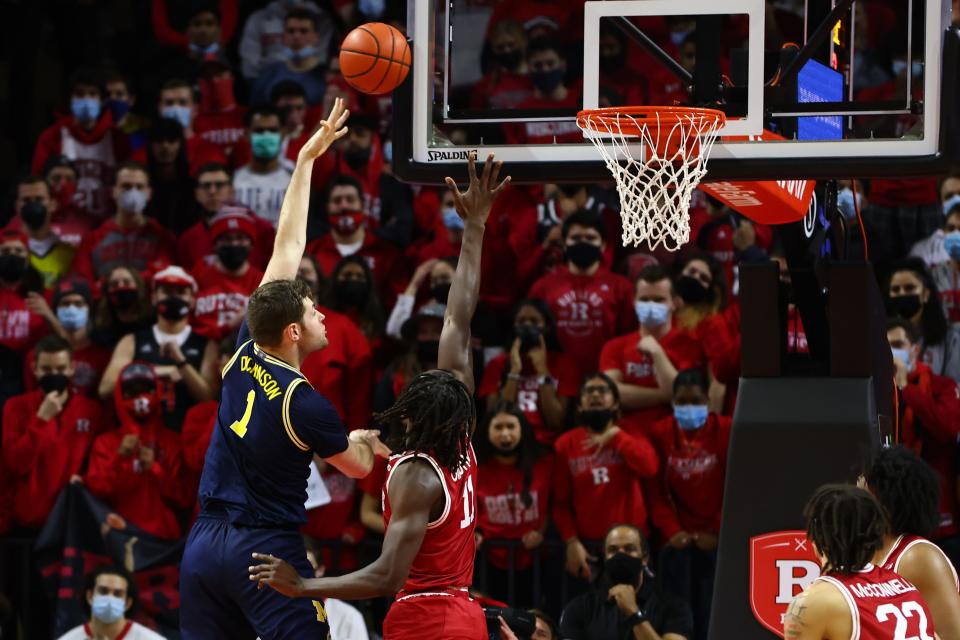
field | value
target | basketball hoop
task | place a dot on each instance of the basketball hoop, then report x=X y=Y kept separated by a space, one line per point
x=655 y=187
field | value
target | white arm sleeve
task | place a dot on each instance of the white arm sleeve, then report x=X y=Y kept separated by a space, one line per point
x=402 y=311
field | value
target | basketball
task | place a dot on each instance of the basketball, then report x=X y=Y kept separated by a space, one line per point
x=375 y=58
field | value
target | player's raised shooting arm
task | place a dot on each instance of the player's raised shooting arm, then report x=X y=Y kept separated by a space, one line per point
x=291 y=238
x=474 y=206
x=413 y=491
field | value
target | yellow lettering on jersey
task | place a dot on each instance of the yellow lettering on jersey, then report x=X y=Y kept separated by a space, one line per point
x=270 y=386
x=321 y=612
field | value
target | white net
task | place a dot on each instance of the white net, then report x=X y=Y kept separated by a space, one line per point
x=655 y=188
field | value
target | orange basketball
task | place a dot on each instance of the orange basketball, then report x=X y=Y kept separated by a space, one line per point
x=375 y=58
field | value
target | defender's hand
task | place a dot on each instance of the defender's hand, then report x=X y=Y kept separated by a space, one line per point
x=277 y=574
x=329 y=131
x=474 y=204
x=372 y=438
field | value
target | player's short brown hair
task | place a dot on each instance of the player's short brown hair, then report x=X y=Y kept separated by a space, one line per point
x=273 y=307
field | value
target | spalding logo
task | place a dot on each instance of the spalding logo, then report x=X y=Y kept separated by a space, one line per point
x=782 y=564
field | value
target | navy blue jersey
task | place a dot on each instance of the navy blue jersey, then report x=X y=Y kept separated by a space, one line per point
x=269 y=423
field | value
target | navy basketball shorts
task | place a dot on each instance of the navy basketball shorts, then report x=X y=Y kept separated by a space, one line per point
x=218 y=599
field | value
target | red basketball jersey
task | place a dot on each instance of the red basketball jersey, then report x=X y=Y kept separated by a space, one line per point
x=903 y=544
x=445 y=559
x=883 y=605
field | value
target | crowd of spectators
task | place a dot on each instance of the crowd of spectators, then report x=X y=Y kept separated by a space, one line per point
x=138 y=232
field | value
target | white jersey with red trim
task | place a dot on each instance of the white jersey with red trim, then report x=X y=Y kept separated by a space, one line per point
x=903 y=544
x=132 y=631
x=445 y=558
x=883 y=605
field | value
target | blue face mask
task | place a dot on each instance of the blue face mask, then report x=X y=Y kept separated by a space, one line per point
x=651 y=314
x=690 y=416
x=951 y=244
x=85 y=109
x=265 y=145
x=73 y=318
x=372 y=9
x=950 y=203
x=388 y=151
x=903 y=355
x=132 y=200
x=118 y=109
x=178 y=112
x=302 y=54
x=204 y=51
x=108 y=609
x=845 y=202
x=451 y=220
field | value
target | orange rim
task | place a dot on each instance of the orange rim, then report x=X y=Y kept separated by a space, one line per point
x=639 y=118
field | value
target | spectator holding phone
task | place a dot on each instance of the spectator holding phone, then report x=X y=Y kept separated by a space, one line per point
x=535 y=375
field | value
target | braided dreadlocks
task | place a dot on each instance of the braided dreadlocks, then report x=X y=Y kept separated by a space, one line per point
x=908 y=489
x=440 y=412
x=847 y=526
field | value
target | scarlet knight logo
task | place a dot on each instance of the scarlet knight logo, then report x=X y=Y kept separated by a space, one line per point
x=782 y=564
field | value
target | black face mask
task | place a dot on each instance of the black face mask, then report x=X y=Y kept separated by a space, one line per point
x=352 y=293
x=34 y=215
x=123 y=298
x=357 y=158
x=12 y=267
x=173 y=308
x=428 y=351
x=440 y=292
x=623 y=569
x=610 y=64
x=904 y=306
x=692 y=290
x=508 y=59
x=313 y=284
x=53 y=382
x=582 y=254
x=508 y=451
x=529 y=335
x=232 y=256
x=596 y=419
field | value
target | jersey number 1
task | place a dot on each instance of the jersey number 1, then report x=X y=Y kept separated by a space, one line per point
x=239 y=427
x=469 y=512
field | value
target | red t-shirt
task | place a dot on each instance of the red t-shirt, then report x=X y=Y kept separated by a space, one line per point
x=221 y=129
x=143 y=248
x=501 y=512
x=20 y=328
x=222 y=299
x=687 y=492
x=561 y=366
x=501 y=90
x=546 y=132
x=594 y=491
x=589 y=310
x=621 y=354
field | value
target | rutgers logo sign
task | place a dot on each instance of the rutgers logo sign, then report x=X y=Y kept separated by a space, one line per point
x=782 y=564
